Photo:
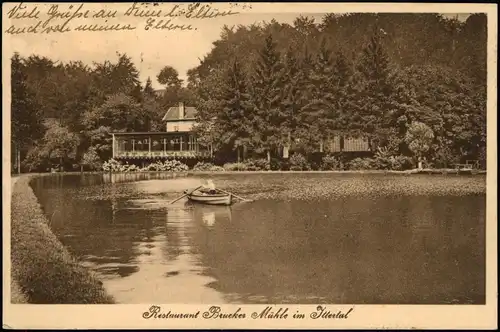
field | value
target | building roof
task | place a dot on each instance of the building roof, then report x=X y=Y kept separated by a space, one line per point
x=173 y=113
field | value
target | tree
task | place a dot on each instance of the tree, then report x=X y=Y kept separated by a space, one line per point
x=419 y=138
x=91 y=158
x=384 y=105
x=451 y=106
x=293 y=101
x=266 y=97
x=234 y=122
x=169 y=77
x=148 y=88
x=119 y=113
x=25 y=112
x=125 y=76
x=59 y=143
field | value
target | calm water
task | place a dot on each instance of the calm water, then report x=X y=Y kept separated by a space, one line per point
x=310 y=238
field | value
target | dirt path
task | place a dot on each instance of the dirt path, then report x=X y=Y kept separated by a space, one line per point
x=17 y=295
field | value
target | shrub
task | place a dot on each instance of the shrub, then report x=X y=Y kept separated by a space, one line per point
x=202 y=166
x=172 y=166
x=358 y=164
x=112 y=165
x=235 y=167
x=258 y=165
x=276 y=164
x=43 y=268
x=207 y=167
x=385 y=160
x=330 y=163
x=91 y=159
x=299 y=163
x=401 y=163
x=166 y=166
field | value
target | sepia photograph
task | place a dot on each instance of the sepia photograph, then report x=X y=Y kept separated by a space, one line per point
x=217 y=156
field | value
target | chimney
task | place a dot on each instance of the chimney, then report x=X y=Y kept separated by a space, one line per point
x=182 y=110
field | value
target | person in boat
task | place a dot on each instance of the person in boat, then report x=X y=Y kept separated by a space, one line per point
x=209 y=187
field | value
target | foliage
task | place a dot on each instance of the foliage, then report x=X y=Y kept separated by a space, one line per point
x=58 y=145
x=25 y=111
x=299 y=163
x=372 y=82
x=167 y=166
x=113 y=165
x=265 y=95
x=419 y=138
x=330 y=163
x=235 y=167
x=207 y=167
x=36 y=160
x=271 y=85
x=169 y=76
x=258 y=165
x=358 y=164
x=91 y=159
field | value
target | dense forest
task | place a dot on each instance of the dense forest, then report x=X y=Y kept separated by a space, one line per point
x=413 y=84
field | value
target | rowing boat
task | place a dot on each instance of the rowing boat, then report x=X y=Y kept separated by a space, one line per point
x=211 y=199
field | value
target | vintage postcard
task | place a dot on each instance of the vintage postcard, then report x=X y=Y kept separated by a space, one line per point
x=249 y=165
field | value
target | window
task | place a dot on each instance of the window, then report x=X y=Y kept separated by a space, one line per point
x=176 y=128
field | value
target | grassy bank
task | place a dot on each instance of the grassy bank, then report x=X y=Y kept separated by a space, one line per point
x=41 y=266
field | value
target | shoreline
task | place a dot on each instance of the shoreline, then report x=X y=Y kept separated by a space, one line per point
x=447 y=171
x=42 y=269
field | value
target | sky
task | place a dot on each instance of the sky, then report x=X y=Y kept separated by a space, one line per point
x=150 y=50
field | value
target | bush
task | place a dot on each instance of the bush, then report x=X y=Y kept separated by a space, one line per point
x=330 y=163
x=207 y=167
x=258 y=165
x=401 y=163
x=277 y=164
x=299 y=163
x=235 y=167
x=91 y=159
x=384 y=159
x=360 y=164
x=171 y=166
x=113 y=165
x=43 y=268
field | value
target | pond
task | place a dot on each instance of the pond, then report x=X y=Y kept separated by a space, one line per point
x=304 y=239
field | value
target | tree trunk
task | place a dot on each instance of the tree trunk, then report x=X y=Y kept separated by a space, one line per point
x=269 y=157
x=238 y=149
x=18 y=159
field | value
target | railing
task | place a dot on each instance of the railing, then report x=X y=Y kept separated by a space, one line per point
x=469 y=165
x=161 y=154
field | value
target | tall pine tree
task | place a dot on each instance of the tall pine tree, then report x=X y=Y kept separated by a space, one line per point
x=266 y=97
x=375 y=89
x=234 y=121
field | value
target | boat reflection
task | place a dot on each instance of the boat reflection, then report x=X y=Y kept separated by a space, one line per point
x=209 y=215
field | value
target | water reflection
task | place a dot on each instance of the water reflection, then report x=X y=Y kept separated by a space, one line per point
x=405 y=249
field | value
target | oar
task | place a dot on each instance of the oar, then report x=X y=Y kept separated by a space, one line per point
x=175 y=200
x=226 y=192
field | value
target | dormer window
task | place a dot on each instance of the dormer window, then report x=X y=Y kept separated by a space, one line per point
x=176 y=128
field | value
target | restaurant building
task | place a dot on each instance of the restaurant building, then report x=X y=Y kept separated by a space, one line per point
x=179 y=141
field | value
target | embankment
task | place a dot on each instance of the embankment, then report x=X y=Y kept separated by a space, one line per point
x=42 y=268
